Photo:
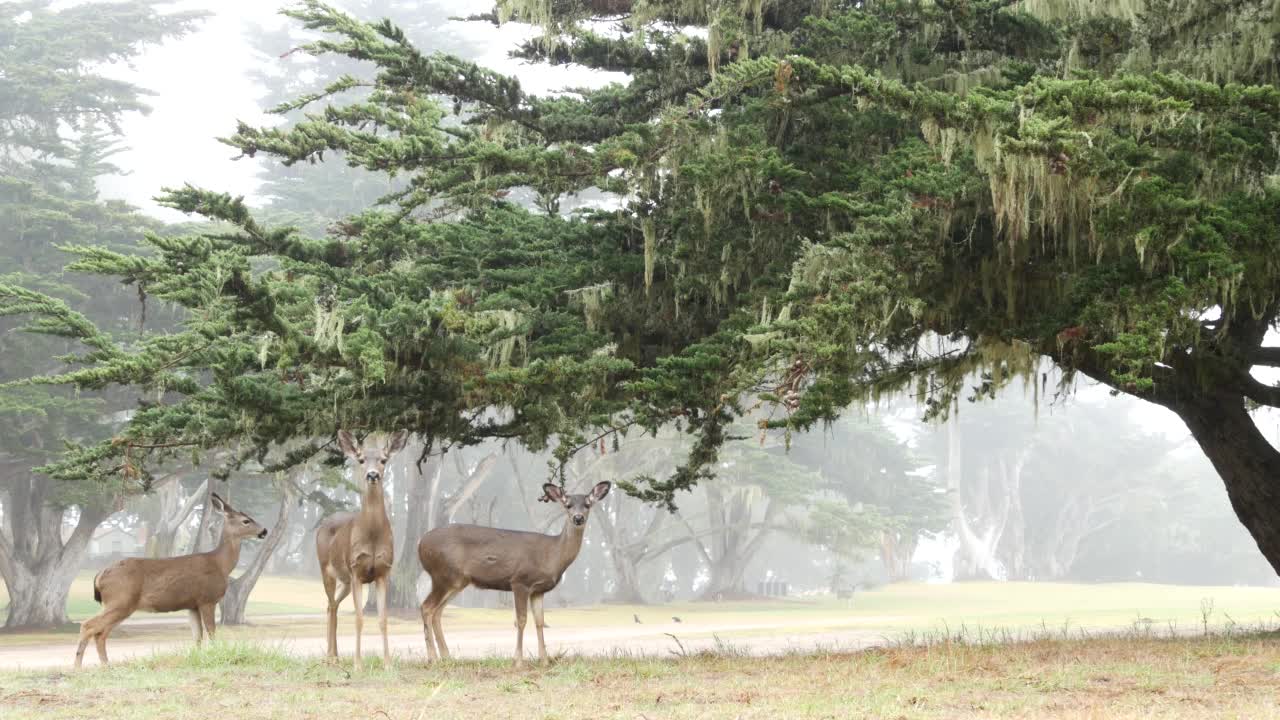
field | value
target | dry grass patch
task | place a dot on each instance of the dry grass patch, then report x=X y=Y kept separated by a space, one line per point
x=1219 y=677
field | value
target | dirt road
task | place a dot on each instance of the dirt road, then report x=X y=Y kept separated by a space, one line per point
x=648 y=639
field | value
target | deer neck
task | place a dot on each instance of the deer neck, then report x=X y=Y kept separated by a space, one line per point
x=568 y=544
x=373 y=506
x=227 y=554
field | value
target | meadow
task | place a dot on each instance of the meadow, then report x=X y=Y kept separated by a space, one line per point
x=973 y=650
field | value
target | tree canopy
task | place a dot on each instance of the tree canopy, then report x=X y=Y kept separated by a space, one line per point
x=816 y=202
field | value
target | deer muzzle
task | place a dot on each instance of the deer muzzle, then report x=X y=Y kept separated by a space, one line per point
x=372 y=476
x=262 y=534
x=579 y=520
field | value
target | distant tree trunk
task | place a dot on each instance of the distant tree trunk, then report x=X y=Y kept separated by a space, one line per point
x=731 y=544
x=629 y=550
x=417 y=485
x=36 y=565
x=237 y=597
x=896 y=550
x=174 y=511
x=982 y=504
x=202 y=540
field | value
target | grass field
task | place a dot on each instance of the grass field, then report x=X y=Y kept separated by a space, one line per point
x=892 y=610
x=974 y=650
x=1132 y=677
x=271 y=596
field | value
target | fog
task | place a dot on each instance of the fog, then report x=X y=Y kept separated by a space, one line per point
x=1077 y=486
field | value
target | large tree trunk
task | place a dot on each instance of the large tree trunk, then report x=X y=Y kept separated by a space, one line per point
x=237 y=596
x=1248 y=464
x=36 y=565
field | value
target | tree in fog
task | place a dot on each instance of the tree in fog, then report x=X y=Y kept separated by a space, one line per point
x=819 y=203
x=58 y=133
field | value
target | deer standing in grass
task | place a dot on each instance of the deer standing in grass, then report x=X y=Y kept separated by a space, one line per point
x=194 y=583
x=356 y=549
x=528 y=564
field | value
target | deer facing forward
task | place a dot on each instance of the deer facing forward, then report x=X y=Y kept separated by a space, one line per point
x=194 y=583
x=356 y=549
x=526 y=563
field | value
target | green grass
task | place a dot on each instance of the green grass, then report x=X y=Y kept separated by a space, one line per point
x=893 y=609
x=1135 y=676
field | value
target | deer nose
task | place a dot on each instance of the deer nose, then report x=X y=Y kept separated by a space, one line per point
x=579 y=519
x=372 y=476
x=262 y=534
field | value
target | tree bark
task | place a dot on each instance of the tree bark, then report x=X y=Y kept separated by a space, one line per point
x=1248 y=464
x=36 y=565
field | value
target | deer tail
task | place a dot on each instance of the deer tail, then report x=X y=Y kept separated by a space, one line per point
x=97 y=592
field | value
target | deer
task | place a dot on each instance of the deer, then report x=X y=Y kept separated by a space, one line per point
x=195 y=583
x=357 y=548
x=528 y=564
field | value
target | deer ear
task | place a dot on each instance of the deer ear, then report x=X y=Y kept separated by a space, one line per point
x=599 y=491
x=348 y=444
x=219 y=504
x=553 y=492
x=395 y=444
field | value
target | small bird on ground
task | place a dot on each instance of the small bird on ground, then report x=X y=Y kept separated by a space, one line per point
x=636 y=618
x=673 y=617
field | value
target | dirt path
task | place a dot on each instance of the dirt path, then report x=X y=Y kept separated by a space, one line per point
x=754 y=638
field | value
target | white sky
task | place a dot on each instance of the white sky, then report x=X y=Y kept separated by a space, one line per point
x=202 y=89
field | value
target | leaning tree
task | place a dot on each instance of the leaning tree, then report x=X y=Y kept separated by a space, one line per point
x=817 y=202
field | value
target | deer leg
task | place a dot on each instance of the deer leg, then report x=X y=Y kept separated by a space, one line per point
x=89 y=630
x=357 y=596
x=535 y=604
x=197 y=632
x=101 y=642
x=330 y=616
x=109 y=623
x=437 y=625
x=338 y=592
x=383 y=583
x=206 y=612
x=427 y=610
x=522 y=613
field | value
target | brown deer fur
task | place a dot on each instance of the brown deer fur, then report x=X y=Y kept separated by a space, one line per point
x=355 y=549
x=527 y=564
x=194 y=583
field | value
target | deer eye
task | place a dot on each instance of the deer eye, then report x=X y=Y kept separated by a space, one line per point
x=246 y=521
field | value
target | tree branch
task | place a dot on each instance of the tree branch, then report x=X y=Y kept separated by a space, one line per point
x=1260 y=392
x=1266 y=356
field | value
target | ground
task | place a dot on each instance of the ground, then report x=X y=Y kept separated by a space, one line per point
x=973 y=650
x=1129 y=677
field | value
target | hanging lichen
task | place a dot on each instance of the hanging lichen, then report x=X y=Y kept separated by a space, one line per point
x=650 y=232
x=264 y=348
x=592 y=298
x=328 y=326
x=505 y=324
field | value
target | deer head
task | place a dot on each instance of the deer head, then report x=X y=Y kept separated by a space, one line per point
x=372 y=463
x=577 y=507
x=235 y=523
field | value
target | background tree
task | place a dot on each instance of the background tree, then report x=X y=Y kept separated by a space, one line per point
x=58 y=116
